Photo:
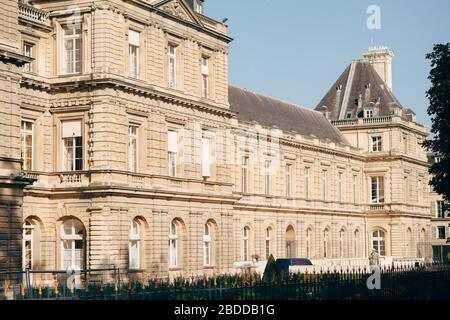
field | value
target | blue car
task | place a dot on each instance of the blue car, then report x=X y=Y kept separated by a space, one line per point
x=284 y=264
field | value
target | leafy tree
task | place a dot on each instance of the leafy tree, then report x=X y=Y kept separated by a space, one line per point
x=271 y=273
x=439 y=111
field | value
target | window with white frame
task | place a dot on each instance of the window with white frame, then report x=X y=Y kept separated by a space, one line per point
x=173 y=244
x=308 y=243
x=437 y=159
x=71 y=47
x=133 y=146
x=288 y=180
x=27 y=144
x=246 y=243
x=268 y=242
x=172 y=65
x=368 y=113
x=324 y=184
x=356 y=241
x=72 y=146
x=379 y=242
x=135 y=246
x=326 y=243
x=27 y=246
x=342 y=236
x=340 y=185
x=439 y=209
x=307 y=178
x=28 y=51
x=198 y=6
x=244 y=174
x=267 y=165
x=207 y=245
x=377 y=144
x=377 y=189
x=72 y=245
x=206 y=157
x=134 y=40
x=440 y=233
x=172 y=152
x=205 y=77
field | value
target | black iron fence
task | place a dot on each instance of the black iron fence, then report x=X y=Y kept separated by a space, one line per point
x=396 y=284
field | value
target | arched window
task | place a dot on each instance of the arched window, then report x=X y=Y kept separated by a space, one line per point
x=27 y=246
x=135 y=245
x=326 y=244
x=342 y=235
x=174 y=244
x=356 y=243
x=309 y=241
x=422 y=244
x=72 y=244
x=409 y=243
x=378 y=242
x=290 y=242
x=246 y=243
x=207 y=239
x=268 y=242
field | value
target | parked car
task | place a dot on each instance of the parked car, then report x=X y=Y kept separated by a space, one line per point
x=284 y=264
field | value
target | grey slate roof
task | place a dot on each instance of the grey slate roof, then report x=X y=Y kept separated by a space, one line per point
x=367 y=89
x=267 y=111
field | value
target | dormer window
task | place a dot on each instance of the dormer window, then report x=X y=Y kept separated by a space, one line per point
x=348 y=115
x=368 y=113
x=198 y=6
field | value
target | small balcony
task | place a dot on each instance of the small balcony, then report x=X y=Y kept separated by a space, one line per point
x=34 y=15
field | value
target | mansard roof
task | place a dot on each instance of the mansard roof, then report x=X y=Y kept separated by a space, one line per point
x=267 y=111
x=359 y=87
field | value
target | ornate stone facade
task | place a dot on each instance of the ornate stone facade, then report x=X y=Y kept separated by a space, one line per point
x=113 y=116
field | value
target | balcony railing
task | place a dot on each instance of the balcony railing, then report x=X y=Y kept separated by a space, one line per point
x=33 y=14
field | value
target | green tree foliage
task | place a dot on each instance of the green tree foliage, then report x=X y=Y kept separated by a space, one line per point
x=439 y=111
x=271 y=273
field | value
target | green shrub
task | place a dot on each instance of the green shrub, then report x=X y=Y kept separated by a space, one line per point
x=271 y=273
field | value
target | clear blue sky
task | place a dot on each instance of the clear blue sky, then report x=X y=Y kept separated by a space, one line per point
x=294 y=50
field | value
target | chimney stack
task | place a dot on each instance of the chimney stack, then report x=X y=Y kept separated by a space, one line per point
x=381 y=60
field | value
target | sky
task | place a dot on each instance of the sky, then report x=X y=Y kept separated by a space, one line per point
x=295 y=50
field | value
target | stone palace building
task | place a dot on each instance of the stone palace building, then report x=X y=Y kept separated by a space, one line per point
x=122 y=144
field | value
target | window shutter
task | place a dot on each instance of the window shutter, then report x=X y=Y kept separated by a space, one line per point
x=206 y=157
x=71 y=129
x=134 y=38
x=173 y=141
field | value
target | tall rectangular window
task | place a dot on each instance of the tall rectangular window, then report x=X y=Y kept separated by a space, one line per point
x=133 y=48
x=324 y=184
x=72 y=146
x=406 y=189
x=377 y=189
x=244 y=174
x=171 y=51
x=71 y=57
x=172 y=152
x=340 y=186
x=288 y=180
x=440 y=233
x=133 y=148
x=267 y=165
x=206 y=157
x=355 y=181
x=307 y=178
x=27 y=144
x=198 y=6
x=27 y=51
x=439 y=209
x=377 y=144
x=205 y=77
